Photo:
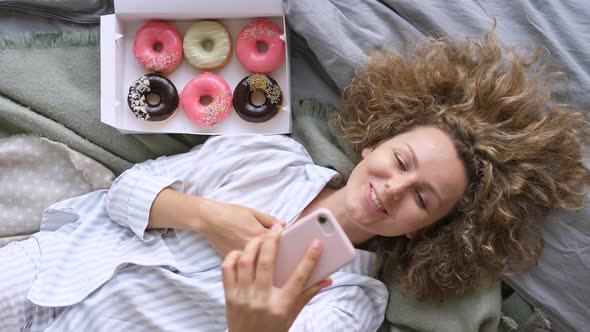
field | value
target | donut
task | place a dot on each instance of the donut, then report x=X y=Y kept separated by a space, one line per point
x=158 y=46
x=206 y=85
x=242 y=100
x=157 y=84
x=196 y=41
x=260 y=31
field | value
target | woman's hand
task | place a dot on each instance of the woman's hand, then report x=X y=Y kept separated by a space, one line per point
x=229 y=226
x=253 y=304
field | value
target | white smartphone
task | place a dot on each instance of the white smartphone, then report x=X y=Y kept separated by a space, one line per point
x=337 y=250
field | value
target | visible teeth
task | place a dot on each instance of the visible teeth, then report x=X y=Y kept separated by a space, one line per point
x=376 y=200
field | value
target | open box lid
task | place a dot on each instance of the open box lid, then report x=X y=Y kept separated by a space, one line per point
x=186 y=9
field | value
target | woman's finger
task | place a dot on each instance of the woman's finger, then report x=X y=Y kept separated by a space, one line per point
x=264 y=219
x=247 y=263
x=228 y=271
x=267 y=258
x=295 y=285
x=312 y=291
x=309 y=293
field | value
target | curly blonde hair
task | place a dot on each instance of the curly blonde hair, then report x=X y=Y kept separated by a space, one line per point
x=523 y=155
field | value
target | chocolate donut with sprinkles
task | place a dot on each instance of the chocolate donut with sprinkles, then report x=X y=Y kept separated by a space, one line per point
x=242 y=99
x=139 y=101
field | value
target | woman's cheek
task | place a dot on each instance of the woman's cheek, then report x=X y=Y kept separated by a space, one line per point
x=417 y=221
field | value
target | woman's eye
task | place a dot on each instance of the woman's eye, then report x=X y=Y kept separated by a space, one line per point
x=400 y=163
x=421 y=200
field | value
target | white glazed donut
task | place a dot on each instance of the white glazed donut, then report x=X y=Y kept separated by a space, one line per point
x=198 y=36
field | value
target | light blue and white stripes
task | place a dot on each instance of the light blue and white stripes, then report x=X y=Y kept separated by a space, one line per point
x=98 y=269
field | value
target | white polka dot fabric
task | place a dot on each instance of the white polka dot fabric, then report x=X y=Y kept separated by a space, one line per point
x=36 y=172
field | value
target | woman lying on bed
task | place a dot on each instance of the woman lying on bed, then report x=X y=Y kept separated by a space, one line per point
x=459 y=150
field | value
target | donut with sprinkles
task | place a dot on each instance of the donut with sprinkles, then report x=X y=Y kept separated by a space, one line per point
x=213 y=87
x=164 y=93
x=260 y=61
x=242 y=99
x=158 y=47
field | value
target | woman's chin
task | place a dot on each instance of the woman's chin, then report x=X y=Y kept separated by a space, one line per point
x=359 y=215
x=358 y=212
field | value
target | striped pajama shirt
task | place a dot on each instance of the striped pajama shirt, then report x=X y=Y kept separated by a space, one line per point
x=95 y=267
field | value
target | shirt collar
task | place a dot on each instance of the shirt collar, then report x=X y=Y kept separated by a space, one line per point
x=320 y=173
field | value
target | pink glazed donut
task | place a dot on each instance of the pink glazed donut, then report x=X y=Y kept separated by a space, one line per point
x=158 y=46
x=206 y=85
x=260 y=31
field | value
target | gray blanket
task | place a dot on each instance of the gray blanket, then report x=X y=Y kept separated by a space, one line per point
x=333 y=37
x=87 y=11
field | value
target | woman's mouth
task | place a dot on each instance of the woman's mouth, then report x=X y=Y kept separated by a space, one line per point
x=374 y=201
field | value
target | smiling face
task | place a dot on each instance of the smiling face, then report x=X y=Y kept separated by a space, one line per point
x=406 y=183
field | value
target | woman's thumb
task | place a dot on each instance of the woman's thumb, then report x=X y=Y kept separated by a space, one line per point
x=309 y=293
x=266 y=220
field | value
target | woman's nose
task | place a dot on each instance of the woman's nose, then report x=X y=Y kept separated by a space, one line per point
x=396 y=186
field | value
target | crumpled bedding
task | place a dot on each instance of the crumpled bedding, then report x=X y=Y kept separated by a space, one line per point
x=35 y=173
x=87 y=11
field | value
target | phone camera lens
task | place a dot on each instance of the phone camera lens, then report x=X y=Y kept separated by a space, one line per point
x=322 y=219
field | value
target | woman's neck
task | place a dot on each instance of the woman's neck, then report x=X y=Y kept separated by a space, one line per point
x=335 y=201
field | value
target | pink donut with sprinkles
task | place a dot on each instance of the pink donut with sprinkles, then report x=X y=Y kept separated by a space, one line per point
x=260 y=31
x=158 y=46
x=206 y=85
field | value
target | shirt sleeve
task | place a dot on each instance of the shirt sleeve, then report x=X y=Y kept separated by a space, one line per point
x=198 y=172
x=131 y=196
x=344 y=308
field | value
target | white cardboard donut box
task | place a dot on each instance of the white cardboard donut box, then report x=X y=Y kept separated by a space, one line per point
x=119 y=68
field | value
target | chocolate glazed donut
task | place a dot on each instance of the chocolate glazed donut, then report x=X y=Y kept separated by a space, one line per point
x=243 y=102
x=159 y=85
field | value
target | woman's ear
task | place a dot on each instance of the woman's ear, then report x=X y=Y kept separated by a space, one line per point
x=411 y=235
x=366 y=151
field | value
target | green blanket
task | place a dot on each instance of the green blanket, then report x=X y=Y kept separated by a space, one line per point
x=50 y=86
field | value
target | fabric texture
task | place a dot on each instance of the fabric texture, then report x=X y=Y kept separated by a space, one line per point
x=34 y=16
x=36 y=173
x=480 y=304
x=20 y=262
x=87 y=11
x=310 y=128
x=332 y=38
x=50 y=86
x=106 y=271
x=17 y=274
